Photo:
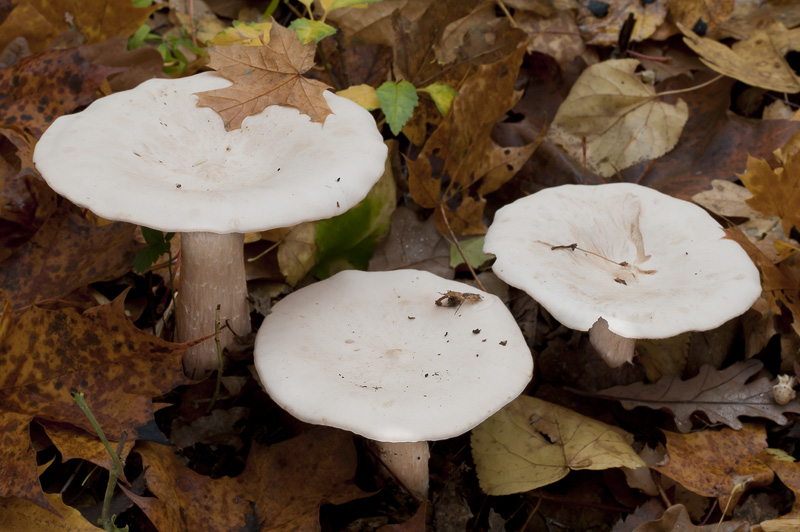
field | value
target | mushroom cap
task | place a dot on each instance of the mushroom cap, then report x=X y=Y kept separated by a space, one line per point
x=371 y=352
x=150 y=156
x=669 y=268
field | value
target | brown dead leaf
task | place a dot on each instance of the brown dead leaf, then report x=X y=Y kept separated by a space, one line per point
x=265 y=75
x=789 y=472
x=731 y=462
x=775 y=192
x=414 y=244
x=19 y=515
x=758 y=61
x=415 y=524
x=701 y=16
x=25 y=22
x=676 y=519
x=604 y=30
x=100 y=352
x=137 y=65
x=66 y=253
x=372 y=23
x=724 y=396
x=40 y=88
x=463 y=153
x=73 y=442
x=557 y=36
x=615 y=119
x=281 y=488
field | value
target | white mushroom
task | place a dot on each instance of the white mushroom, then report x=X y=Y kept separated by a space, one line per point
x=622 y=261
x=784 y=392
x=372 y=353
x=150 y=156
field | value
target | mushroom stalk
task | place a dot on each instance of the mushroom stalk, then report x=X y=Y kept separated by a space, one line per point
x=408 y=462
x=212 y=273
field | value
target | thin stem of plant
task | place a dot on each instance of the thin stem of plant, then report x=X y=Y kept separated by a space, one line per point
x=219 y=361
x=689 y=89
x=458 y=247
x=507 y=13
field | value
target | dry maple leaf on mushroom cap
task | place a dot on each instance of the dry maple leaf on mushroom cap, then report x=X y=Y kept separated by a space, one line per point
x=372 y=352
x=150 y=156
x=622 y=261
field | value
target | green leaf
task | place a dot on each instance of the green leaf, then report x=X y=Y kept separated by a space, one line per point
x=311 y=30
x=473 y=250
x=442 y=96
x=350 y=3
x=398 y=101
x=347 y=241
x=157 y=245
x=142 y=3
x=137 y=39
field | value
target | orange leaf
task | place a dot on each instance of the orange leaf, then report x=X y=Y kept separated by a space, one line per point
x=100 y=352
x=265 y=75
x=775 y=193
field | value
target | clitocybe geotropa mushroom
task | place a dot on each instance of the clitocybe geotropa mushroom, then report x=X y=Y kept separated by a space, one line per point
x=372 y=352
x=622 y=261
x=150 y=156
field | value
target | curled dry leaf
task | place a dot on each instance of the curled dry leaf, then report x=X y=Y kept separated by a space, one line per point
x=723 y=395
x=265 y=75
x=758 y=61
x=732 y=461
x=603 y=30
x=775 y=193
x=615 y=119
x=532 y=443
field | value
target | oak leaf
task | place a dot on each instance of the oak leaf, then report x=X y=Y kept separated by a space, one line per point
x=724 y=396
x=532 y=443
x=281 y=488
x=615 y=120
x=20 y=515
x=100 y=352
x=265 y=75
x=775 y=192
x=731 y=462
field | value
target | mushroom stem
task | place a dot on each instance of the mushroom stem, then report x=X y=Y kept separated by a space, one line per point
x=615 y=349
x=212 y=273
x=408 y=462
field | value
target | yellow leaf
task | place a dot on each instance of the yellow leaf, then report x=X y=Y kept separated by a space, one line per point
x=205 y=27
x=775 y=193
x=246 y=33
x=616 y=118
x=531 y=443
x=297 y=252
x=364 y=95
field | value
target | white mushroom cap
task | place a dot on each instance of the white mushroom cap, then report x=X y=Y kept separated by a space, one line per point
x=370 y=352
x=150 y=156
x=669 y=269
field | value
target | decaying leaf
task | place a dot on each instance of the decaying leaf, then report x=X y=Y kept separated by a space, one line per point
x=758 y=61
x=601 y=22
x=265 y=75
x=20 y=515
x=775 y=192
x=463 y=153
x=363 y=94
x=302 y=473
x=723 y=395
x=676 y=519
x=246 y=33
x=100 y=352
x=615 y=119
x=532 y=443
x=703 y=17
x=731 y=462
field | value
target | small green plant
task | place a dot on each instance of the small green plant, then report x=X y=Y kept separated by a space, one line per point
x=169 y=46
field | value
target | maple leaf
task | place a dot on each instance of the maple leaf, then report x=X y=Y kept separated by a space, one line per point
x=45 y=353
x=775 y=193
x=265 y=75
x=723 y=395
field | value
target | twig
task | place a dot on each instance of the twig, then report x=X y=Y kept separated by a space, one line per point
x=117 y=467
x=458 y=247
x=219 y=363
x=505 y=11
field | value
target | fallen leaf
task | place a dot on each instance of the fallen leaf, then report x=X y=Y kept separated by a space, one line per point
x=281 y=488
x=311 y=30
x=676 y=519
x=73 y=442
x=532 y=443
x=66 y=253
x=463 y=153
x=415 y=524
x=788 y=471
x=373 y=22
x=731 y=462
x=246 y=33
x=727 y=199
x=557 y=36
x=704 y=18
x=413 y=243
x=398 y=101
x=265 y=75
x=758 y=61
x=20 y=515
x=25 y=22
x=615 y=119
x=723 y=395
x=41 y=87
x=473 y=252
x=297 y=252
x=100 y=352
x=775 y=192
x=602 y=25
x=363 y=94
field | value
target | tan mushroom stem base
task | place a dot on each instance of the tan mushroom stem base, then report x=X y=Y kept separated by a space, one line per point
x=615 y=349
x=212 y=273
x=408 y=462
